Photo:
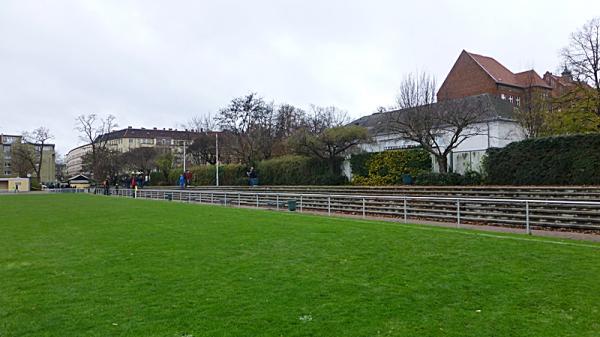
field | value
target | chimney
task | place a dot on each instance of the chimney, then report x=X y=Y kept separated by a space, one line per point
x=129 y=127
x=170 y=129
x=155 y=128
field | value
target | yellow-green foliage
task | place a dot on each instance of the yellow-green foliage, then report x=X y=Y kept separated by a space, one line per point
x=388 y=167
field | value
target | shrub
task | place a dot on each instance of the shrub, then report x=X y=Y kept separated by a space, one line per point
x=360 y=163
x=229 y=175
x=158 y=179
x=562 y=160
x=388 y=167
x=297 y=170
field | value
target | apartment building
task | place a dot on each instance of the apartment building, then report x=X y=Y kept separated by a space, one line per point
x=8 y=163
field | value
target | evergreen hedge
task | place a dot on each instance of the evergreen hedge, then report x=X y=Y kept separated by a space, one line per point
x=229 y=175
x=297 y=170
x=286 y=170
x=561 y=160
x=388 y=167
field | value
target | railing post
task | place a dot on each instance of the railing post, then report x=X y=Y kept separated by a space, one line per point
x=457 y=212
x=300 y=203
x=225 y=199
x=329 y=205
x=256 y=200
x=405 y=211
x=239 y=200
x=277 y=201
x=363 y=208
x=527 y=225
x=212 y=197
x=200 y=198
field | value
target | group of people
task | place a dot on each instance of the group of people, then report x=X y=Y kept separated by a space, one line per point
x=139 y=181
x=185 y=179
x=126 y=181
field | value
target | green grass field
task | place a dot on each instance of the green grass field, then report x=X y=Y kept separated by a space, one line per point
x=83 y=265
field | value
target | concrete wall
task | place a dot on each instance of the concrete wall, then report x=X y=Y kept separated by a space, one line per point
x=14 y=184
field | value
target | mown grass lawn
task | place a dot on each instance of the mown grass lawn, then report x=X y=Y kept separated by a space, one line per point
x=83 y=265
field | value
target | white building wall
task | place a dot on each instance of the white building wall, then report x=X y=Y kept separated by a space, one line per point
x=74 y=160
x=468 y=155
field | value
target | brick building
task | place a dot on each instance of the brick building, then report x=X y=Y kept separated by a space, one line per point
x=474 y=74
x=561 y=84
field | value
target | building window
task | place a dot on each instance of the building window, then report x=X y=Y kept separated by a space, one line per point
x=510 y=98
x=518 y=99
x=503 y=96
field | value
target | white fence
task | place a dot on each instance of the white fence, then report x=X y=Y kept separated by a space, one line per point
x=522 y=213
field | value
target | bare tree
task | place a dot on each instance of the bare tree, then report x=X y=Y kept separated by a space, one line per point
x=203 y=123
x=438 y=127
x=321 y=118
x=288 y=119
x=416 y=90
x=532 y=112
x=92 y=130
x=38 y=138
x=23 y=159
x=583 y=56
x=250 y=121
x=203 y=149
x=142 y=159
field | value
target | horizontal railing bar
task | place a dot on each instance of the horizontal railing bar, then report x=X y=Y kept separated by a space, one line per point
x=392 y=197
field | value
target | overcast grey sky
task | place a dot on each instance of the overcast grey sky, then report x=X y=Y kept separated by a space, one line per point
x=159 y=63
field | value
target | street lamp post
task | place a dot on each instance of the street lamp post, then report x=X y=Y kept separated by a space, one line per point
x=217 y=155
x=184 y=156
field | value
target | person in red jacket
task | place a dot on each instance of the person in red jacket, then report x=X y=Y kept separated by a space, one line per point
x=188 y=178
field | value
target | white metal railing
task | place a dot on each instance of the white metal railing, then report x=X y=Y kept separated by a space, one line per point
x=66 y=190
x=527 y=213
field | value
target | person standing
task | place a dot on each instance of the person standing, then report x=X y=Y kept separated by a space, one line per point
x=253 y=177
x=181 y=181
x=188 y=178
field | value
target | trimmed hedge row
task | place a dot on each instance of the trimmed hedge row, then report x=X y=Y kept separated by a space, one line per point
x=297 y=170
x=286 y=170
x=562 y=160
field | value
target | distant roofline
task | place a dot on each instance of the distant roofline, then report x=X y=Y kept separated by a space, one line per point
x=481 y=66
x=499 y=81
x=75 y=148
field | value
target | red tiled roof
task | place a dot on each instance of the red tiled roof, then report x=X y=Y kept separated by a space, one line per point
x=530 y=78
x=502 y=75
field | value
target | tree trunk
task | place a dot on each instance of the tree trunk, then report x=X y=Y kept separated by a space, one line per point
x=332 y=163
x=442 y=163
